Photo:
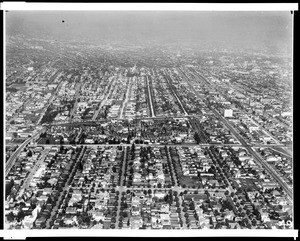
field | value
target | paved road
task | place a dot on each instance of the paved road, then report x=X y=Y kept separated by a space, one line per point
x=168 y=77
x=288 y=155
x=150 y=98
x=273 y=173
x=13 y=157
x=66 y=187
x=274 y=139
x=274 y=170
x=35 y=168
x=197 y=125
x=214 y=159
x=77 y=90
x=78 y=135
x=49 y=103
x=122 y=188
x=123 y=166
x=108 y=90
x=124 y=104
x=184 y=226
x=162 y=145
x=263 y=129
x=172 y=167
x=251 y=151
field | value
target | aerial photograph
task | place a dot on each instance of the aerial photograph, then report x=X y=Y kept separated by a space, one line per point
x=148 y=120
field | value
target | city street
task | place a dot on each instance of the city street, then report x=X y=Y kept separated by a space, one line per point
x=150 y=98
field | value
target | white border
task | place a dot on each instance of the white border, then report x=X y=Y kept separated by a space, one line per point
x=293 y=114
x=22 y=234
x=4 y=113
x=152 y=6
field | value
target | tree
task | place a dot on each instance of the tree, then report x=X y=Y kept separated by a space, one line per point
x=29 y=154
x=10 y=217
x=132 y=148
x=32 y=205
x=166 y=198
x=192 y=206
x=43 y=135
x=20 y=215
x=124 y=214
x=197 y=137
x=113 y=219
x=206 y=193
x=254 y=222
x=248 y=212
x=9 y=187
x=181 y=223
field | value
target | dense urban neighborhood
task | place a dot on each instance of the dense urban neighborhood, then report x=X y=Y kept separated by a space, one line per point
x=124 y=136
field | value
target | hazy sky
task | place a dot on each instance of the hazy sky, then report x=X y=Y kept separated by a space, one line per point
x=253 y=27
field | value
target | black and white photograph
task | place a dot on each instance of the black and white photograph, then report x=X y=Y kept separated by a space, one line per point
x=138 y=121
